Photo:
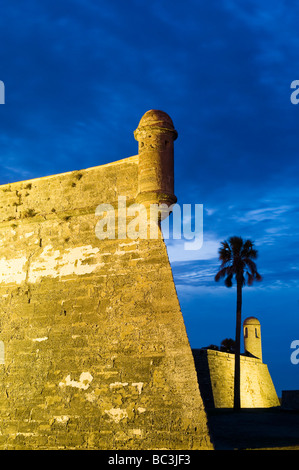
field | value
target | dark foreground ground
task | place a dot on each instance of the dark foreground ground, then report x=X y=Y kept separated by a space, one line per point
x=255 y=429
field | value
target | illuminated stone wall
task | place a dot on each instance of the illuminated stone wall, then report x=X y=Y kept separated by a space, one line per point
x=94 y=350
x=216 y=380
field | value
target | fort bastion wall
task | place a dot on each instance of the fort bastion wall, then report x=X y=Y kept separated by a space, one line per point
x=216 y=380
x=95 y=353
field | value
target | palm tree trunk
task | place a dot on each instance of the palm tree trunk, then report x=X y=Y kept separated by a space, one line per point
x=237 y=378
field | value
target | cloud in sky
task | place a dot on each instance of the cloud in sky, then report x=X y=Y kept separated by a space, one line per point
x=265 y=213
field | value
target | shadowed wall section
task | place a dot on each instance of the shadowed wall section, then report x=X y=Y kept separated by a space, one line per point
x=96 y=354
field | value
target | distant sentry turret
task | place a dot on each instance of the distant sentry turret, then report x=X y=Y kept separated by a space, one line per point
x=252 y=337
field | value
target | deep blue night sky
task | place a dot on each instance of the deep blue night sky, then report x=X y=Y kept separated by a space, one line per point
x=78 y=77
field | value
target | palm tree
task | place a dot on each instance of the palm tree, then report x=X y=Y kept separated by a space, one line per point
x=236 y=256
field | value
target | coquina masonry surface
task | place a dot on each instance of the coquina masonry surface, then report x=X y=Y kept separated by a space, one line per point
x=96 y=354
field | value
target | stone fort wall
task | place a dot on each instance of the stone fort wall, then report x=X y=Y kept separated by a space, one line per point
x=215 y=371
x=94 y=351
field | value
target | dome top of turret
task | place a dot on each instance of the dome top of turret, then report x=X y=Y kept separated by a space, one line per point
x=251 y=321
x=156 y=119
